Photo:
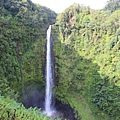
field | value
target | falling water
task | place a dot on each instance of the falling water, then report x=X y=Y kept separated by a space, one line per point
x=49 y=107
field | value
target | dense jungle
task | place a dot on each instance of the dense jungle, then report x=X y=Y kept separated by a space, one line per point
x=86 y=55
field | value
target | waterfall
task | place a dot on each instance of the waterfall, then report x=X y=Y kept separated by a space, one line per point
x=49 y=106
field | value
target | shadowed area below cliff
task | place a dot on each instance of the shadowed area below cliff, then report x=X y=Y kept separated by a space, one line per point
x=34 y=97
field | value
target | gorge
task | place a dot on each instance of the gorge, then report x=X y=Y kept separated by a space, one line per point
x=85 y=63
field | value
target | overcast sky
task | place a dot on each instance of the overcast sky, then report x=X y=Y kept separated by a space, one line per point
x=60 y=5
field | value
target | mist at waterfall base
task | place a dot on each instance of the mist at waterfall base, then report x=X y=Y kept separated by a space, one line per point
x=35 y=97
x=45 y=99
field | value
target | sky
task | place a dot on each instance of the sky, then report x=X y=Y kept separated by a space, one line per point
x=60 y=5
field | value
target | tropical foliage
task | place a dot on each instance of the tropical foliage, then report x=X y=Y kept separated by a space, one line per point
x=93 y=35
x=10 y=110
x=86 y=51
x=22 y=43
x=22 y=52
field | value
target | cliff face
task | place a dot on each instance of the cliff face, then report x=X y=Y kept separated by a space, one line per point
x=87 y=61
x=22 y=44
x=86 y=51
x=26 y=9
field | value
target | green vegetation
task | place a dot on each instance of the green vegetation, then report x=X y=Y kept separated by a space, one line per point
x=22 y=48
x=10 y=110
x=22 y=44
x=112 y=5
x=87 y=61
x=86 y=51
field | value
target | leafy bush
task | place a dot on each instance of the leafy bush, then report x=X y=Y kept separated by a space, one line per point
x=10 y=110
x=106 y=97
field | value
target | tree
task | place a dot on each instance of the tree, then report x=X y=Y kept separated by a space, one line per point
x=112 y=5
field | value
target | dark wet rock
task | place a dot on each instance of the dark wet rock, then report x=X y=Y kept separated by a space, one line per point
x=33 y=97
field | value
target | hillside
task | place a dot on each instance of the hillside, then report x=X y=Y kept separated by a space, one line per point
x=23 y=28
x=86 y=57
x=22 y=36
x=88 y=62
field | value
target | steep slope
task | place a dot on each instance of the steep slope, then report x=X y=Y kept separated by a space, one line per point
x=22 y=55
x=22 y=45
x=86 y=51
x=87 y=61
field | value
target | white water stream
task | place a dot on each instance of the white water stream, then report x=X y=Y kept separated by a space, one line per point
x=49 y=106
